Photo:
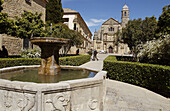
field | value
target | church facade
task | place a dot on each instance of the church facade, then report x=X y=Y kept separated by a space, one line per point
x=106 y=38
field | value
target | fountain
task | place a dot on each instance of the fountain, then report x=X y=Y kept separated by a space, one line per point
x=49 y=53
x=49 y=71
x=85 y=94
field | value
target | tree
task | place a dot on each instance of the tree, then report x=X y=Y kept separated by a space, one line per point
x=164 y=21
x=156 y=51
x=132 y=34
x=1 y=2
x=118 y=39
x=61 y=30
x=149 y=27
x=6 y=24
x=54 y=12
x=29 y=25
x=139 y=31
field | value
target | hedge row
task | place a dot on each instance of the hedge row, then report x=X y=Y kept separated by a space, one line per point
x=9 y=62
x=152 y=77
x=73 y=61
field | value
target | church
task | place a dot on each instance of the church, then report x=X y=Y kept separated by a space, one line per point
x=106 y=38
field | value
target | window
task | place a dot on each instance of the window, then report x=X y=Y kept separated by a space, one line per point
x=125 y=14
x=75 y=26
x=66 y=19
x=111 y=29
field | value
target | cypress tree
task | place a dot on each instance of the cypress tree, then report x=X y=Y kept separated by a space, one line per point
x=54 y=12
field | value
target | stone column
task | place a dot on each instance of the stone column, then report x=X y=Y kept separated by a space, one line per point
x=49 y=60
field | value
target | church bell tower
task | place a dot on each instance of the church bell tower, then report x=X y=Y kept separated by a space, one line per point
x=125 y=16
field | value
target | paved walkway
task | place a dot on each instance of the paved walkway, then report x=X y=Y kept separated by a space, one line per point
x=121 y=96
x=97 y=65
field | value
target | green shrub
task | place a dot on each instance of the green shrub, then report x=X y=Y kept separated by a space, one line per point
x=152 y=77
x=9 y=62
x=73 y=61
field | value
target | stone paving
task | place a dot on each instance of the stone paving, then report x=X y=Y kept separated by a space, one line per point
x=120 y=96
x=97 y=65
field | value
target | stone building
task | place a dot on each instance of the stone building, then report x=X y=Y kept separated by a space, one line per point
x=75 y=22
x=14 y=8
x=106 y=39
x=17 y=7
x=12 y=44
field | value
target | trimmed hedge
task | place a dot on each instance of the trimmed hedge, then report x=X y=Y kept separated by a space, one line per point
x=73 y=61
x=152 y=77
x=9 y=62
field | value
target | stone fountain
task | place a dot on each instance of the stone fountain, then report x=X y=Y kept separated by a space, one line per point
x=49 y=53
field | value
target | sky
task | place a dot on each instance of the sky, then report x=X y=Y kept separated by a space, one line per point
x=95 y=12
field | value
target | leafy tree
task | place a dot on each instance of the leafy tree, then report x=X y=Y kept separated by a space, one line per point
x=6 y=24
x=156 y=51
x=164 y=21
x=61 y=30
x=1 y=8
x=132 y=34
x=149 y=27
x=139 y=31
x=29 y=25
x=54 y=12
x=118 y=39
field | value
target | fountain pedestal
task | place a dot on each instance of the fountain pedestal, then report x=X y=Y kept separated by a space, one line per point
x=49 y=54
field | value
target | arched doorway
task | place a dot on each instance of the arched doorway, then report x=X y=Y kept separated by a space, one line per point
x=110 y=49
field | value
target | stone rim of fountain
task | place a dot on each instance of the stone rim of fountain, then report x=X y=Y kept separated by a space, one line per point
x=36 y=40
x=99 y=74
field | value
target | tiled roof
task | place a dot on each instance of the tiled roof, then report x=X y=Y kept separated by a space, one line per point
x=67 y=10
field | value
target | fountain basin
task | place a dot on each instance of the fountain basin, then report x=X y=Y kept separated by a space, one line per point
x=82 y=94
x=31 y=75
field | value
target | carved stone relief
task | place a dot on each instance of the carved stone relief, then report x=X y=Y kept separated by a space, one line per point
x=26 y=103
x=8 y=100
x=60 y=101
x=18 y=101
x=93 y=104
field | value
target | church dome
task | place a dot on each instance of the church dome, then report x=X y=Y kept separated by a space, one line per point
x=125 y=7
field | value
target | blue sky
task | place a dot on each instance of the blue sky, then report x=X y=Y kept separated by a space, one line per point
x=95 y=12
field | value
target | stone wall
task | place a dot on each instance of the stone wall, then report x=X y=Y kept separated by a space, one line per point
x=17 y=7
x=12 y=44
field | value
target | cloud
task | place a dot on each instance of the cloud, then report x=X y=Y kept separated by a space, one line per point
x=98 y=21
x=94 y=22
x=91 y=24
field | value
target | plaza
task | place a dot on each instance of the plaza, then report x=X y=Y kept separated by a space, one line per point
x=47 y=59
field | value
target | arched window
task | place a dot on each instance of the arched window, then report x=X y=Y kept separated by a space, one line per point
x=111 y=29
x=125 y=14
